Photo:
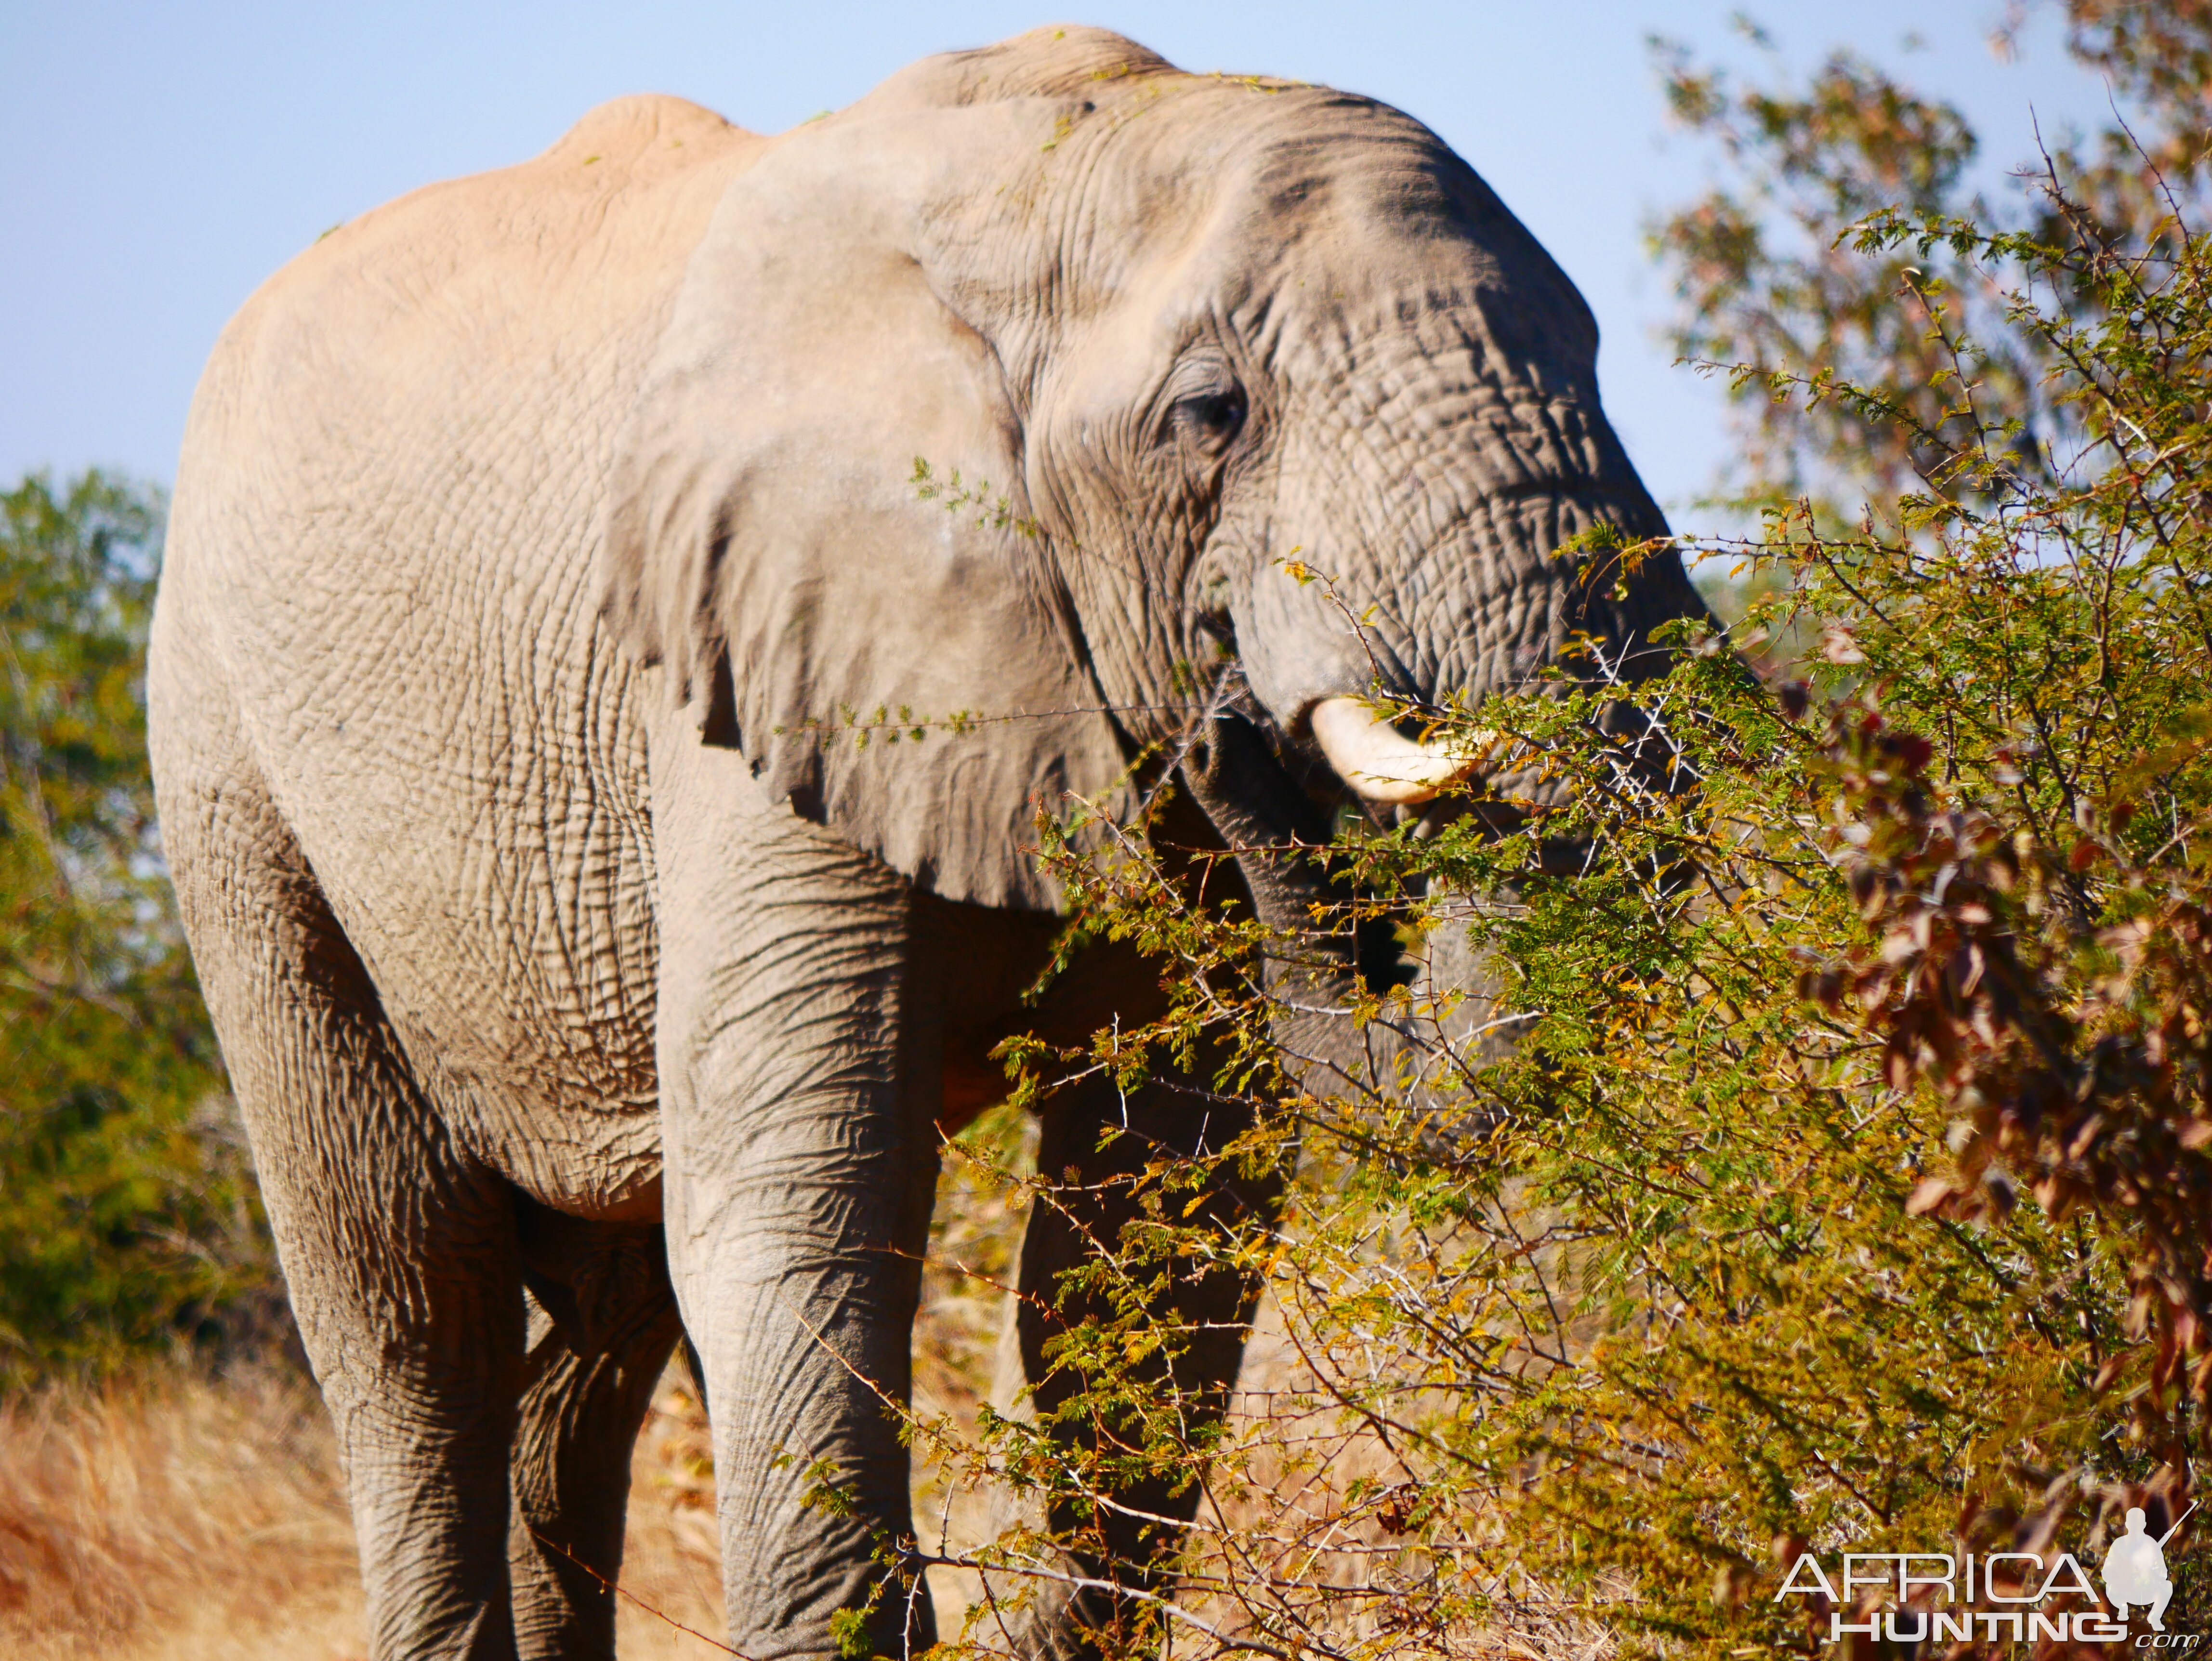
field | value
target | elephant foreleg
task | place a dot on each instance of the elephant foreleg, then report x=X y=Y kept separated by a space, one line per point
x=602 y=1322
x=1088 y=1195
x=799 y=1168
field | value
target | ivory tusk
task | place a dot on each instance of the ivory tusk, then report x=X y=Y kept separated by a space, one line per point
x=1380 y=762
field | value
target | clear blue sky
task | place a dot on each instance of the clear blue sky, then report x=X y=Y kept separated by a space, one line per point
x=161 y=159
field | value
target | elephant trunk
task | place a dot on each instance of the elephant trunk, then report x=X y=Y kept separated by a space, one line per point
x=1318 y=972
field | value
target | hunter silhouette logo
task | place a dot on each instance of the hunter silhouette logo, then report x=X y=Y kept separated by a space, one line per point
x=2135 y=1569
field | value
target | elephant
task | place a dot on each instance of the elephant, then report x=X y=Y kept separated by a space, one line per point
x=554 y=554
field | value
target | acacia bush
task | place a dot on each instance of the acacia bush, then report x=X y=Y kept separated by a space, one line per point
x=1846 y=1185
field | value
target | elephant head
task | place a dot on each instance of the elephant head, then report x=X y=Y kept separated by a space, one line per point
x=1001 y=400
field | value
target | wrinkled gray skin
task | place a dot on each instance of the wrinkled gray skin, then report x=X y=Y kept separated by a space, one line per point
x=532 y=537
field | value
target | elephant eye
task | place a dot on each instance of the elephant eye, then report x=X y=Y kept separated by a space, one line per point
x=1211 y=420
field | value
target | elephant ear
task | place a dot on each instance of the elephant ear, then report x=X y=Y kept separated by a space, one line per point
x=818 y=526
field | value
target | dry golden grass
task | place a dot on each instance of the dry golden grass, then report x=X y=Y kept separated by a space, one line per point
x=176 y=1517
x=200 y=1520
x=197 y=1519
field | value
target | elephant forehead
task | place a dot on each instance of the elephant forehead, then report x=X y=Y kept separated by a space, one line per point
x=1283 y=184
